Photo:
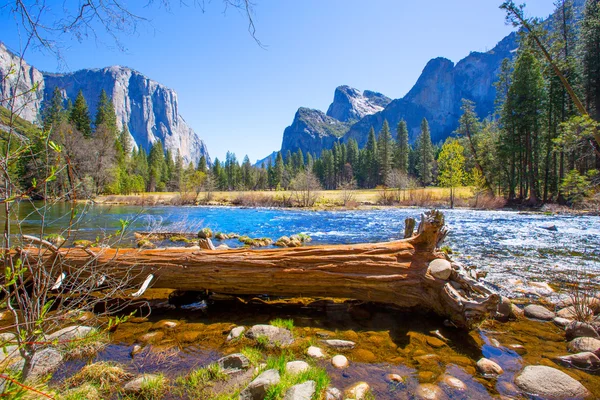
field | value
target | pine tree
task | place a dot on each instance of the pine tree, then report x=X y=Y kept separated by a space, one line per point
x=202 y=165
x=590 y=47
x=425 y=155
x=370 y=168
x=247 y=175
x=402 y=147
x=384 y=152
x=156 y=167
x=278 y=172
x=105 y=113
x=80 y=116
x=54 y=110
x=125 y=140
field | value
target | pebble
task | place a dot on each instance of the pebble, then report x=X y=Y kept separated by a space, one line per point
x=440 y=268
x=165 y=325
x=135 y=350
x=489 y=367
x=518 y=348
x=394 y=378
x=315 y=352
x=340 y=361
x=340 y=344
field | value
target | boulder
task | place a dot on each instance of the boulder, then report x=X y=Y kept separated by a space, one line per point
x=257 y=389
x=315 y=352
x=136 y=385
x=301 y=391
x=275 y=335
x=235 y=333
x=580 y=329
x=488 y=367
x=571 y=312
x=296 y=367
x=543 y=381
x=340 y=344
x=538 y=312
x=440 y=268
x=339 y=361
x=44 y=362
x=581 y=344
x=234 y=362
x=358 y=391
x=584 y=360
x=70 y=333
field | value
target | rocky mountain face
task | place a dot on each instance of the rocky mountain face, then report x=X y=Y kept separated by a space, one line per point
x=149 y=109
x=350 y=104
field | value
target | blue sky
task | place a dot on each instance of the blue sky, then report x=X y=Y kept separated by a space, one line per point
x=240 y=97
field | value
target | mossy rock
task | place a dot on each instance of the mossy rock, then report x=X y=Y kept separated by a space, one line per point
x=221 y=236
x=179 y=239
x=283 y=241
x=205 y=233
x=301 y=237
x=145 y=244
x=83 y=243
x=55 y=239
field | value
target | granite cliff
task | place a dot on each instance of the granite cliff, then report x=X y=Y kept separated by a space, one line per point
x=149 y=109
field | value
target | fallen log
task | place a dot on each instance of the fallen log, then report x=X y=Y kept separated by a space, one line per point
x=394 y=272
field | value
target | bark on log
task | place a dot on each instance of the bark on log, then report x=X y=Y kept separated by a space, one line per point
x=392 y=272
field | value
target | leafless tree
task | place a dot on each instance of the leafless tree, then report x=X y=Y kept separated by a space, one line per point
x=399 y=182
x=305 y=187
x=348 y=195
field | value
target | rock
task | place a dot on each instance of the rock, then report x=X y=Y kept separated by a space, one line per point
x=504 y=310
x=145 y=244
x=339 y=361
x=364 y=355
x=340 y=344
x=440 y=268
x=222 y=247
x=136 y=349
x=234 y=362
x=453 y=383
x=394 y=378
x=257 y=389
x=296 y=367
x=301 y=391
x=435 y=342
x=136 y=385
x=70 y=333
x=333 y=394
x=428 y=391
x=205 y=233
x=315 y=352
x=538 y=312
x=151 y=337
x=44 y=362
x=581 y=344
x=275 y=335
x=358 y=391
x=552 y=228
x=489 y=367
x=516 y=312
x=518 y=348
x=7 y=337
x=580 y=329
x=584 y=360
x=351 y=104
x=571 y=312
x=543 y=381
x=235 y=333
x=562 y=322
x=165 y=325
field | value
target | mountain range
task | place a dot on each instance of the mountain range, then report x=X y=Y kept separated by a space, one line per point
x=149 y=109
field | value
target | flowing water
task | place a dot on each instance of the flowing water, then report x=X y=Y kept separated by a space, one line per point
x=518 y=250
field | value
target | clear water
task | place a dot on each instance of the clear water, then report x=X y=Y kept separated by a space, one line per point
x=514 y=248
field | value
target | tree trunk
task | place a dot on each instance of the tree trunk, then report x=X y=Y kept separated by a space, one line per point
x=393 y=272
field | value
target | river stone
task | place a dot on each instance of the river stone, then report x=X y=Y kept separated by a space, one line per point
x=454 y=383
x=580 y=329
x=136 y=349
x=301 y=391
x=136 y=385
x=428 y=391
x=276 y=336
x=571 y=312
x=296 y=367
x=394 y=378
x=562 y=322
x=583 y=360
x=257 y=389
x=151 y=337
x=504 y=309
x=44 y=362
x=358 y=391
x=544 y=381
x=340 y=344
x=333 y=394
x=165 y=325
x=70 y=333
x=440 y=268
x=583 y=344
x=339 y=361
x=235 y=333
x=538 y=312
x=489 y=367
x=315 y=352
x=518 y=348
x=234 y=362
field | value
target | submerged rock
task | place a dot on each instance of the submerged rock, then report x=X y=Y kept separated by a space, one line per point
x=340 y=344
x=581 y=344
x=544 y=381
x=275 y=335
x=394 y=378
x=488 y=367
x=339 y=361
x=358 y=391
x=453 y=383
x=428 y=391
x=301 y=391
x=257 y=389
x=580 y=329
x=152 y=337
x=538 y=312
x=518 y=348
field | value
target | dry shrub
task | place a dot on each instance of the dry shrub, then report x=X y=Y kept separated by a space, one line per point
x=582 y=292
x=183 y=199
x=250 y=199
x=104 y=374
x=488 y=202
